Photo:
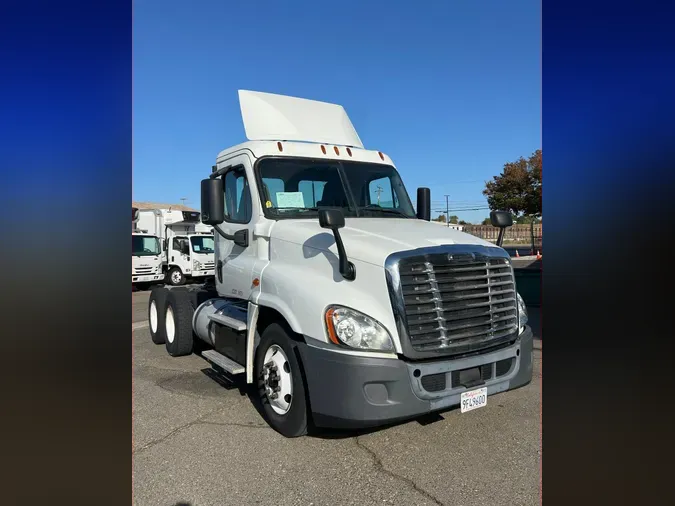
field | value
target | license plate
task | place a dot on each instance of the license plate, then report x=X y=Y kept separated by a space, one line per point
x=473 y=399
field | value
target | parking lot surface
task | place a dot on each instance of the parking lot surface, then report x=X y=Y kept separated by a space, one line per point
x=198 y=440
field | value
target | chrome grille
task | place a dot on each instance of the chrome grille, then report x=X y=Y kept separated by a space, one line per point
x=455 y=301
x=143 y=270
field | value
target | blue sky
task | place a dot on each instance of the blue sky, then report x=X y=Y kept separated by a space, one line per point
x=450 y=91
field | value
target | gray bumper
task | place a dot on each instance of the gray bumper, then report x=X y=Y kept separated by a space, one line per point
x=351 y=391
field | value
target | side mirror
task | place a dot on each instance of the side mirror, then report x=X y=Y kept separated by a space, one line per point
x=334 y=220
x=502 y=220
x=213 y=202
x=424 y=204
x=331 y=218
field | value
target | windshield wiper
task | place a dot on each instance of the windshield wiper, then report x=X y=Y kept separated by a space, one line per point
x=389 y=210
x=295 y=209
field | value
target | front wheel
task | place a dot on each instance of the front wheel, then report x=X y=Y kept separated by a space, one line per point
x=280 y=386
x=175 y=277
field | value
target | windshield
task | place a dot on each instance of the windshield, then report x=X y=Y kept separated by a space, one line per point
x=202 y=244
x=144 y=245
x=298 y=187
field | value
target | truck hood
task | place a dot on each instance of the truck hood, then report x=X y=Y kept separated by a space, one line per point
x=371 y=240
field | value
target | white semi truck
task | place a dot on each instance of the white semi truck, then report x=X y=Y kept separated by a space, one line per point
x=146 y=255
x=187 y=244
x=335 y=300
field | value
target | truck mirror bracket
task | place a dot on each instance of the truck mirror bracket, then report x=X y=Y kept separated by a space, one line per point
x=347 y=268
x=240 y=237
x=334 y=220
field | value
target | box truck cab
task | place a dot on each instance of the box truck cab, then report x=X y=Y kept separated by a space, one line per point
x=187 y=244
x=335 y=299
x=146 y=255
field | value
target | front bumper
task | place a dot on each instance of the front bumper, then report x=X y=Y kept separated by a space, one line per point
x=147 y=278
x=355 y=391
x=199 y=274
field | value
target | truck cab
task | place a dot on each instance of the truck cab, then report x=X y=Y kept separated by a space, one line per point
x=189 y=247
x=146 y=255
x=334 y=296
x=187 y=244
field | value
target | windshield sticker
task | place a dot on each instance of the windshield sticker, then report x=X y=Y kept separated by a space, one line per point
x=290 y=199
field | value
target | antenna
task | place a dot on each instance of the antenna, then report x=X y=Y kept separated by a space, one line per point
x=183 y=199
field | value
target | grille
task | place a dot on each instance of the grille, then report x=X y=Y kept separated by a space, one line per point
x=504 y=366
x=434 y=382
x=458 y=303
x=143 y=270
x=209 y=265
x=438 y=382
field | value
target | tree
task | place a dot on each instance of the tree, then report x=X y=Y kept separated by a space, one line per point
x=454 y=219
x=517 y=188
x=527 y=219
x=486 y=221
x=440 y=218
x=462 y=222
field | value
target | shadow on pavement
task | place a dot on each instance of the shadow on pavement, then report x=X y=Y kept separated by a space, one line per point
x=534 y=321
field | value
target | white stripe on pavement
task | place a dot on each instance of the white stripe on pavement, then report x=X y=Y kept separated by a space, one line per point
x=139 y=325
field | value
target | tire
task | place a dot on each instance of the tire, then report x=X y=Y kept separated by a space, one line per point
x=294 y=421
x=175 y=277
x=156 y=308
x=178 y=323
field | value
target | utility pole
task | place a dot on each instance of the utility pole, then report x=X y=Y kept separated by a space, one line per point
x=183 y=199
x=447 y=212
x=378 y=191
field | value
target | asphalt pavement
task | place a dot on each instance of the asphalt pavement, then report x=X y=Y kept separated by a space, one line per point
x=198 y=440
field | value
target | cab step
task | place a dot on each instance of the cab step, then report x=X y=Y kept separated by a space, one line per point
x=229 y=321
x=225 y=363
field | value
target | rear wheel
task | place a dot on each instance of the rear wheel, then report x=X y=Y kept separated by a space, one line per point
x=280 y=385
x=178 y=323
x=155 y=310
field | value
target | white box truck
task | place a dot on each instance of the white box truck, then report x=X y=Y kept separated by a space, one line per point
x=334 y=299
x=187 y=244
x=146 y=255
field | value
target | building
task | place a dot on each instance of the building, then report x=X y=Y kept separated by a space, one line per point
x=453 y=226
x=155 y=205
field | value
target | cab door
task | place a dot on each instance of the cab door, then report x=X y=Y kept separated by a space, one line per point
x=234 y=263
x=179 y=254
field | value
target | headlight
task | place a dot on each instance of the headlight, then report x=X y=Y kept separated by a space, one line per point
x=196 y=266
x=357 y=330
x=522 y=314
